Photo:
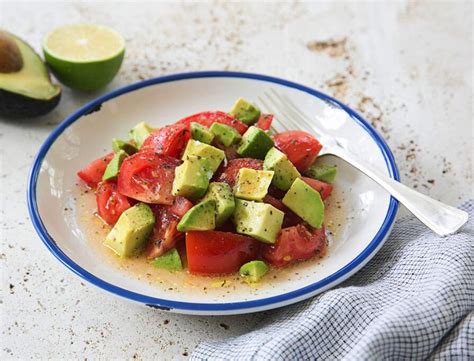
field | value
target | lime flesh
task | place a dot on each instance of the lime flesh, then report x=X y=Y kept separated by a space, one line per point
x=84 y=56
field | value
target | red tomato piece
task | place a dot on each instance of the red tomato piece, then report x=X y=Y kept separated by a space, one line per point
x=300 y=147
x=169 y=140
x=265 y=121
x=323 y=188
x=207 y=118
x=229 y=172
x=165 y=234
x=214 y=252
x=297 y=243
x=92 y=174
x=180 y=206
x=290 y=219
x=148 y=177
x=110 y=203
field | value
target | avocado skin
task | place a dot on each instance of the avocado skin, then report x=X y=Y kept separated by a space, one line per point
x=14 y=105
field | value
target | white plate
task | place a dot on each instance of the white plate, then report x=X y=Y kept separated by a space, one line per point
x=85 y=134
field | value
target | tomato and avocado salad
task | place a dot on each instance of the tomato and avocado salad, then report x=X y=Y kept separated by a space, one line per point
x=215 y=192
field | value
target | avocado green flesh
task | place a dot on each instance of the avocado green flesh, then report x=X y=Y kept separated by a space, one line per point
x=225 y=134
x=252 y=184
x=253 y=271
x=32 y=80
x=192 y=178
x=202 y=217
x=305 y=202
x=225 y=203
x=261 y=221
x=322 y=172
x=285 y=171
x=113 y=168
x=118 y=145
x=245 y=112
x=201 y=133
x=140 y=132
x=255 y=144
x=131 y=231
x=170 y=261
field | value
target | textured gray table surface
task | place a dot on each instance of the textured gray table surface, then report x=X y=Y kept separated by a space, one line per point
x=406 y=66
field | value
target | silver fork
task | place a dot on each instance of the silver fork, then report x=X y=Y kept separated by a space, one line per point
x=441 y=218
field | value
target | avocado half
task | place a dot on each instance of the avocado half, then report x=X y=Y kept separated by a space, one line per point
x=26 y=89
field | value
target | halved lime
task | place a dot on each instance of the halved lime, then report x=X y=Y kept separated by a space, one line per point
x=84 y=56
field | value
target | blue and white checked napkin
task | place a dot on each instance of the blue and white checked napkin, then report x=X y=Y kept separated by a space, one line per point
x=413 y=300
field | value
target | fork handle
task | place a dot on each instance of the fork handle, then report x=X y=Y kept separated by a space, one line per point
x=441 y=218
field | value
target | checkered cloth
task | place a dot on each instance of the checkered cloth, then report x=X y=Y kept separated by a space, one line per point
x=413 y=300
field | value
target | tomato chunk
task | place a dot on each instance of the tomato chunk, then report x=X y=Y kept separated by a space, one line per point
x=110 y=203
x=214 y=252
x=300 y=147
x=165 y=233
x=297 y=243
x=324 y=188
x=207 y=118
x=169 y=140
x=148 y=177
x=229 y=172
x=265 y=121
x=92 y=174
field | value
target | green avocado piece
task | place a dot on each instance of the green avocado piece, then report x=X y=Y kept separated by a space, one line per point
x=191 y=178
x=131 y=231
x=252 y=184
x=202 y=217
x=305 y=202
x=323 y=172
x=201 y=133
x=245 y=112
x=140 y=132
x=261 y=221
x=255 y=143
x=253 y=271
x=214 y=156
x=113 y=168
x=285 y=171
x=118 y=145
x=170 y=261
x=225 y=204
x=226 y=134
x=26 y=89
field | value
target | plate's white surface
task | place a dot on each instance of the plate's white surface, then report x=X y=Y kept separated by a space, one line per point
x=365 y=204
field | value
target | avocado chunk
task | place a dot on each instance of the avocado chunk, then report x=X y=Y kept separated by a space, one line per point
x=191 y=178
x=202 y=217
x=225 y=204
x=113 y=168
x=140 y=132
x=255 y=143
x=245 y=112
x=253 y=271
x=131 y=231
x=212 y=155
x=305 y=202
x=322 y=172
x=261 y=221
x=285 y=171
x=252 y=184
x=170 y=261
x=26 y=89
x=201 y=133
x=226 y=134
x=127 y=147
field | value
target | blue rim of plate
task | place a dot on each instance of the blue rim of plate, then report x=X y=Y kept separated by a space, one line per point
x=341 y=274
